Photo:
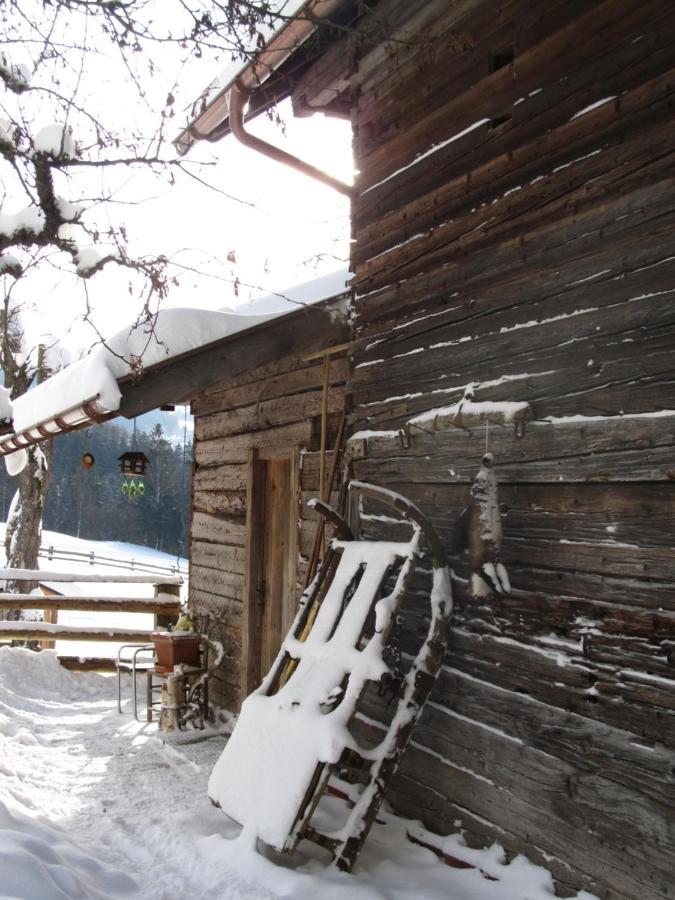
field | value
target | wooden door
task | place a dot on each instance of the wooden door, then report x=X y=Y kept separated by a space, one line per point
x=272 y=524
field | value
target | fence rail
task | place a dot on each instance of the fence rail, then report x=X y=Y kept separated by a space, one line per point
x=165 y=604
x=94 y=559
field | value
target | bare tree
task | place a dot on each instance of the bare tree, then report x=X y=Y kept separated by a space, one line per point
x=61 y=152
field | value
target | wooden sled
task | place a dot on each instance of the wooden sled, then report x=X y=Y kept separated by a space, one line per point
x=293 y=733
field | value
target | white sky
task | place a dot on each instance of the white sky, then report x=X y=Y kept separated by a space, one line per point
x=287 y=229
x=293 y=229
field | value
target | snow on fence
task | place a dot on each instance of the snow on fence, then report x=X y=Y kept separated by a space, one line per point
x=61 y=553
x=164 y=604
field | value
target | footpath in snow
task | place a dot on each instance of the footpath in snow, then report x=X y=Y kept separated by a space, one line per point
x=94 y=807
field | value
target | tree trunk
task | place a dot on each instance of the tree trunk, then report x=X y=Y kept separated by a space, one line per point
x=24 y=524
x=24 y=520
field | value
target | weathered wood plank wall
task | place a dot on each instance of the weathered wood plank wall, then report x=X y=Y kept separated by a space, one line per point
x=274 y=408
x=514 y=228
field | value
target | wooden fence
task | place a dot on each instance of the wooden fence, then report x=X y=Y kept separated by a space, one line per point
x=164 y=604
x=92 y=558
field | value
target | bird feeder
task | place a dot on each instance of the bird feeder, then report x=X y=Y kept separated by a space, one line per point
x=132 y=465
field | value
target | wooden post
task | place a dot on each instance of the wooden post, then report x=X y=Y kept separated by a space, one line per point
x=51 y=616
x=253 y=588
x=291 y=562
x=165 y=622
x=324 y=430
x=319 y=540
x=173 y=702
x=324 y=425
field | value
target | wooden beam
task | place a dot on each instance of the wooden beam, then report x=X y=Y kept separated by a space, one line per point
x=42 y=575
x=324 y=80
x=181 y=377
x=252 y=619
x=168 y=607
x=329 y=351
x=39 y=631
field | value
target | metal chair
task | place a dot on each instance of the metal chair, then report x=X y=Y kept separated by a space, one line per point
x=129 y=662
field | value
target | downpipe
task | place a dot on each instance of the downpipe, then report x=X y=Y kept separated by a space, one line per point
x=238 y=101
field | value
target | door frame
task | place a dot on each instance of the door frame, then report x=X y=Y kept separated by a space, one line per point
x=251 y=629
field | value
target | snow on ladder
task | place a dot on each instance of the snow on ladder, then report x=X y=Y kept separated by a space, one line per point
x=293 y=732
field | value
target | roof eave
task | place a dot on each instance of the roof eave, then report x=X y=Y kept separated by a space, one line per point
x=181 y=377
x=212 y=123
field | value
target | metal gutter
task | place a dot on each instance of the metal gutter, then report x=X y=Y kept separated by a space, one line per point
x=91 y=412
x=213 y=122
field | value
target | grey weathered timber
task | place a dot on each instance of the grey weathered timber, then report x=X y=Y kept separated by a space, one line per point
x=612 y=448
x=266 y=413
x=513 y=230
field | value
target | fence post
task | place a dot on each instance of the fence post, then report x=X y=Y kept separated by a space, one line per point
x=51 y=616
x=163 y=621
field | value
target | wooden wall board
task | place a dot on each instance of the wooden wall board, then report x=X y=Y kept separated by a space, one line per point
x=244 y=426
x=513 y=230
x=578 y=449
x=233 y=449
x=265 y=414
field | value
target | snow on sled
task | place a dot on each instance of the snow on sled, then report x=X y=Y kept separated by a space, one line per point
x=293 y=733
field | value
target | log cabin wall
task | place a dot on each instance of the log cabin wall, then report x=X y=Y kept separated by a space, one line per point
x=274 y=410
x=514 y=228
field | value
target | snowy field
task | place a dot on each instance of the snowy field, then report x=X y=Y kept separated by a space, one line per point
x=94 y=807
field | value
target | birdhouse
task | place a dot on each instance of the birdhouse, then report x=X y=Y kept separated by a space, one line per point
x=88 y=460
x=133 y=463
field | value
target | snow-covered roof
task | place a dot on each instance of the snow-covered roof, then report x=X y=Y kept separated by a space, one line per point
x=89 y=389
x=309 y=292
x=173 y=331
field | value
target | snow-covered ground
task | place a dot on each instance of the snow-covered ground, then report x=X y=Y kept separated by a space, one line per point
x=94 y=807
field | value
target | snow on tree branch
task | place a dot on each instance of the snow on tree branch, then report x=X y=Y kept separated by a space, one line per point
x=15 y=77
x=55 y=141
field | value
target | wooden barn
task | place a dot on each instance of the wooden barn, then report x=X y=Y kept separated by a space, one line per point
x=513 y=226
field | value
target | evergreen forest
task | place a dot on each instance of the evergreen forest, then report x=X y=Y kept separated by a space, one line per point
x=89 y=503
